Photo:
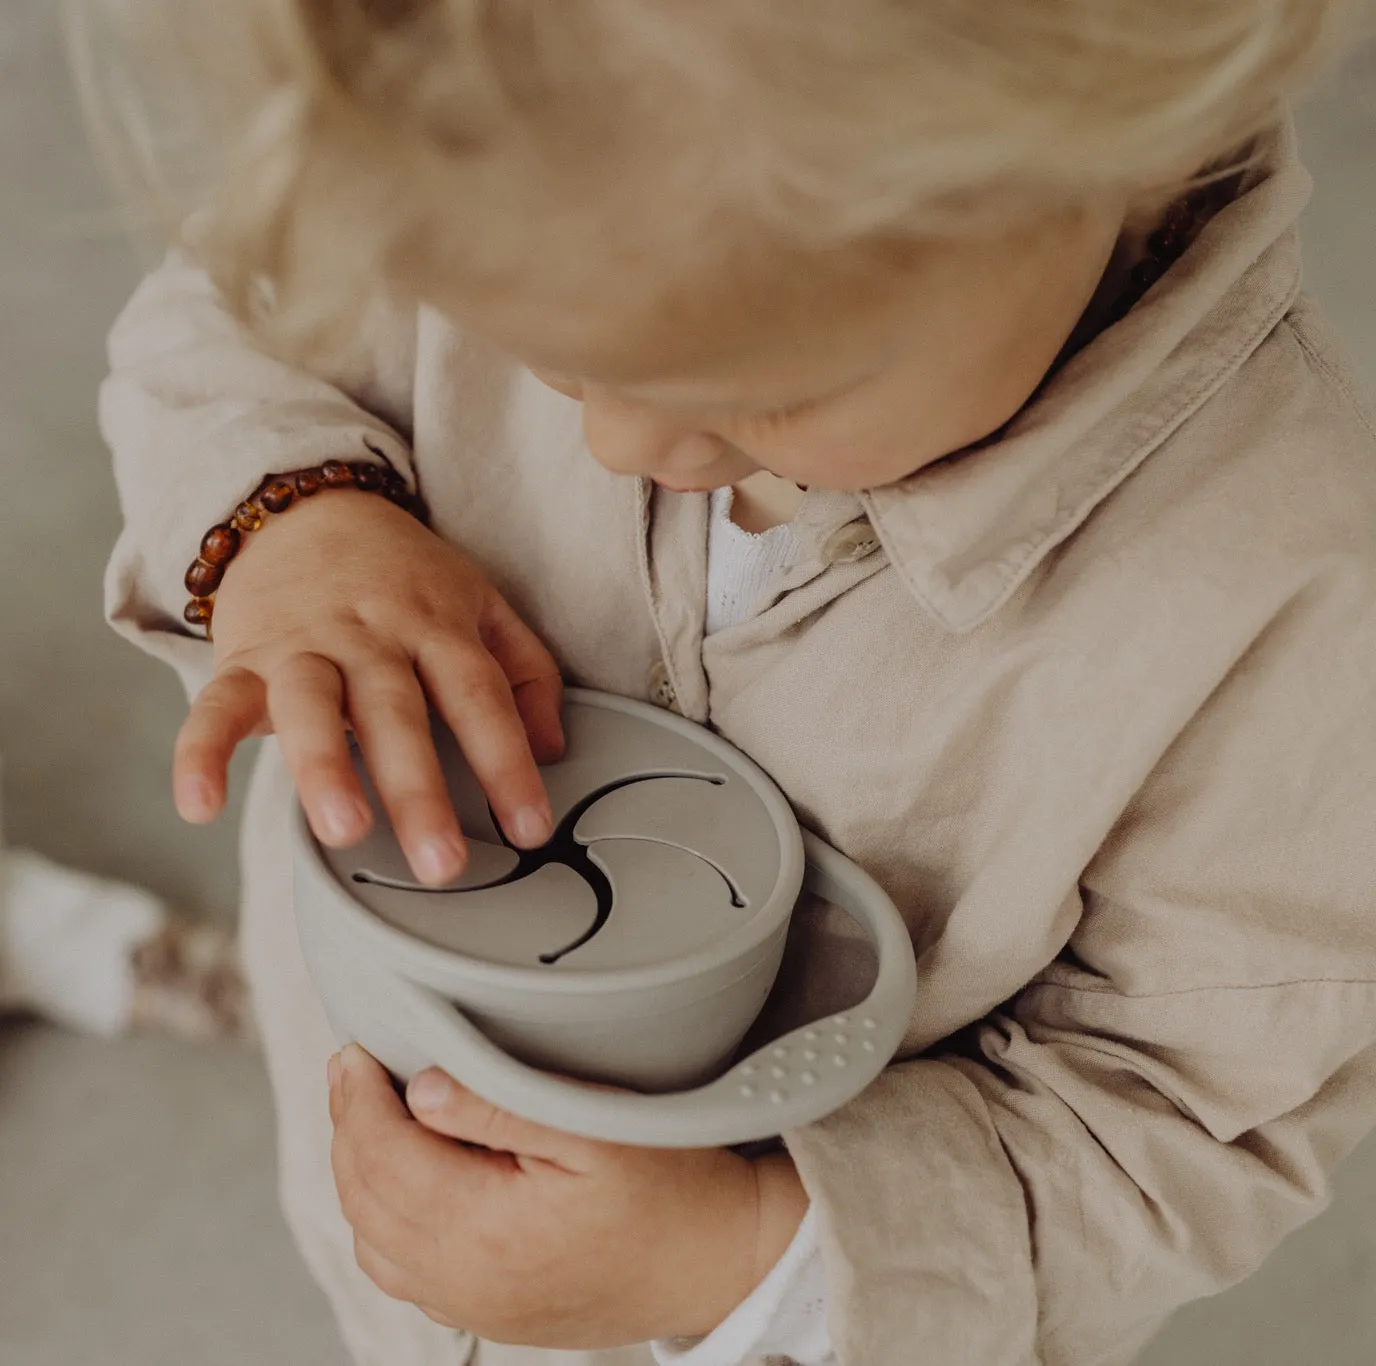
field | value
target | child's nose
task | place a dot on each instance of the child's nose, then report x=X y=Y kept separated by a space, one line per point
x=629 y=439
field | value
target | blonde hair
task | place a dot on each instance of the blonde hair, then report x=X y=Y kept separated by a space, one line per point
x=541 y=140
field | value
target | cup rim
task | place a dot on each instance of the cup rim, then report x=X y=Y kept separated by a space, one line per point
x=449 y=971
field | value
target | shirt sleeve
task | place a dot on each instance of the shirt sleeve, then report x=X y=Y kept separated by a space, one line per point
x=1147 y=1120
x=784 y=1317
x=195 y=414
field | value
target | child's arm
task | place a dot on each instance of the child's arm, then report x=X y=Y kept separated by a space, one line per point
x=344 y=612
x=196 y=414
x=1152 y=1115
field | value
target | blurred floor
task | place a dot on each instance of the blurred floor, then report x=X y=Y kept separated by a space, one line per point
x=140 y=1217
x=136 y=1178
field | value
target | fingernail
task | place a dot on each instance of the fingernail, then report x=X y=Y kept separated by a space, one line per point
x=332 y=1071
x=196 y=799
x=342 y=816
x=532 y=827
x=439 y=860
x=429 y=1091
x=351 y=1058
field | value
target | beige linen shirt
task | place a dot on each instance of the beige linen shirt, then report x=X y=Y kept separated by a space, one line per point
x=1096 y=704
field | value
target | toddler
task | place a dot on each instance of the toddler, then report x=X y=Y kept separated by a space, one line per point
x=921 y=395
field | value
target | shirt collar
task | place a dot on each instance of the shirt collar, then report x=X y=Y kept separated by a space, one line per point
x=966 y=534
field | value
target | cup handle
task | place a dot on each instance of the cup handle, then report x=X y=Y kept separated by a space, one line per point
x=791 y=1081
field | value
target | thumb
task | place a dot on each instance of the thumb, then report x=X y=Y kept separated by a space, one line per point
x=444 y=1107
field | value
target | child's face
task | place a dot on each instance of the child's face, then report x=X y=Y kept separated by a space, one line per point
x=839 y=382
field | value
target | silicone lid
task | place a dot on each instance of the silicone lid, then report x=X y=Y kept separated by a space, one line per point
x=666 y=842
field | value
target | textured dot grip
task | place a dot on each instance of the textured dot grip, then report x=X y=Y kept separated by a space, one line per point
x=792 y=1081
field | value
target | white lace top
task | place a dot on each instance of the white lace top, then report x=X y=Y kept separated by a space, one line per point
x=741 y=565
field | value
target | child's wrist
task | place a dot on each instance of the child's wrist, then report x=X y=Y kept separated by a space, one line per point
x=784 y=1204
x=277 y=494
x=756 y=1219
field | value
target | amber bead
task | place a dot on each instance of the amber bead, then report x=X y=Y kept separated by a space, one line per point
x=278 y=496
x=1179 y=218
x=1164 y=242
x=248 y=518
x=367 y=477
x=336 y=474
x=203 y=579
x=199 y=611
x=1121 y=307
x=308 y=482
x=1146 y=273
x=221 y=544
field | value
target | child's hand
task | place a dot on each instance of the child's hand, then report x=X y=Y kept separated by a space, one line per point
x=347 y=612
x=550 y=1240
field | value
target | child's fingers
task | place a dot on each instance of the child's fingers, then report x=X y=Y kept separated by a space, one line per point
x=392 y=722
x=228 y=710
x=534 y=678
x=473 y=695
x=540 y=704
x=447 y=1108
x=305 y=699
x=395 y=1283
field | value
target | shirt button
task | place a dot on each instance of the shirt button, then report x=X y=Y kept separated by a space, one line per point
x=661 y=687
x=851 y=543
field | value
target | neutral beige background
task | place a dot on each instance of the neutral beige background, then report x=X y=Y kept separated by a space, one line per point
x=137 y=1222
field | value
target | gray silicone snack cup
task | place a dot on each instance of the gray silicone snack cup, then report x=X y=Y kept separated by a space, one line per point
x=665 y=1026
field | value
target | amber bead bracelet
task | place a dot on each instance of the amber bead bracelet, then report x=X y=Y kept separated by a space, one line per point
x=275 y=495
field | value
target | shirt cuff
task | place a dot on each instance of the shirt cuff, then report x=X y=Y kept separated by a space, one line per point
x=784 y=1316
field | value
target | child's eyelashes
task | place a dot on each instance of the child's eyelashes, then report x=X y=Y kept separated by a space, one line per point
x=771 y=419
x=758 y=423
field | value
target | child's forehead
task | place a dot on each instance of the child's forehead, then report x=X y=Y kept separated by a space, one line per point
x=748 y=341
